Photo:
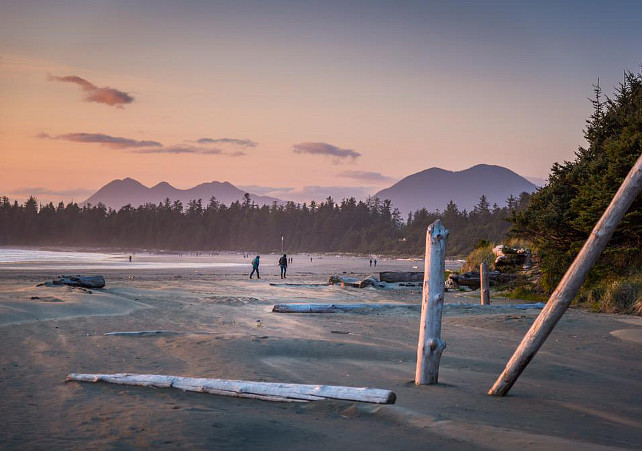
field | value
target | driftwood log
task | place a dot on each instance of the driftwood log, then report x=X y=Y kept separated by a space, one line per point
x=344 y=308
x=572 y=281
x=401 y=276
x=430 y=346
x=483 y=277
x=80 y=281
x=268 y=391
x=142 y=333
x=335 y=308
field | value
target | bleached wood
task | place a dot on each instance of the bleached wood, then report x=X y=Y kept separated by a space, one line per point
x=269 y=391
x=572 y=281
x=143 y=333
x=430 y=345
x=483 y=276
x=333 y=308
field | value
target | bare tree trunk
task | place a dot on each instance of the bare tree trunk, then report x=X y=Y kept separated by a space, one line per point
x=572 y=281
x=430 y=346
x=483 y=275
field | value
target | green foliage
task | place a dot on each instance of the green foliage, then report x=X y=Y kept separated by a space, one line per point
x=478 y=255
x=372 y=226
x=526 y=292
x=467 y=229
x=561 y=215
x=615 y=295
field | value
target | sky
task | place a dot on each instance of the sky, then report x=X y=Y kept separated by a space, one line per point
x=297 y=99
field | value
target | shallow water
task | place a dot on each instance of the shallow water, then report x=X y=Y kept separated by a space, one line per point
x=11 y=258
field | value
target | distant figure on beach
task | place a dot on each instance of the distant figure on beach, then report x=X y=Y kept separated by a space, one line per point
x=255 y=267
x=375 y=262
x=370 y=262
x=283 y=263
x=130 y=259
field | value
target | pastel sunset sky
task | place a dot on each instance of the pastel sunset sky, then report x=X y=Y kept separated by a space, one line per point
x=297 y=99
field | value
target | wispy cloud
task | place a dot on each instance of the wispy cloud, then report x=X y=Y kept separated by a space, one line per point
x=108 y=96
x=318 y=148
x=366 y=176
x=41 y=191
x=141 y=146
x=189 y=150
x=232 y=141
x=115 y=142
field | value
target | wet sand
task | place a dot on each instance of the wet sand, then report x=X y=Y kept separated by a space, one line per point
x=583 y=389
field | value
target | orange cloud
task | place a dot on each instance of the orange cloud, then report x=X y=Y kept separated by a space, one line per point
x=106 y=95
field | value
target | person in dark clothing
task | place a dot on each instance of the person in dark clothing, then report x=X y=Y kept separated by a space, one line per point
x=375 y=262
x=283 y=263
x=370 y=262
x=255 y=267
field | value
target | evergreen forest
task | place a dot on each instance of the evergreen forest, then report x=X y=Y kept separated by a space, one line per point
x=349 y=226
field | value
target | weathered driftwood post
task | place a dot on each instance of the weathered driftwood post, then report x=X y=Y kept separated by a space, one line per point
x=483 y=276
x=572 y=281
x=430 y=345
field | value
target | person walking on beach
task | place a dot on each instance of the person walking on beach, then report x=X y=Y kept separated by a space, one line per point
x=375 y=262
x=283 y=263
x=371 y=263
x=255 y=267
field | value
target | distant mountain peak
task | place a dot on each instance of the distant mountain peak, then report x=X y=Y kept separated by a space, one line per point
x=118 y=193
x=433 y=188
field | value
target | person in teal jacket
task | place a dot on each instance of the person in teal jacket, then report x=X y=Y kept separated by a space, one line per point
x=255 y=267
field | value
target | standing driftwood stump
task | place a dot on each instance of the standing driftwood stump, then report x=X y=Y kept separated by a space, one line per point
x=430 y=346
x=483 y=276
x=572 y=281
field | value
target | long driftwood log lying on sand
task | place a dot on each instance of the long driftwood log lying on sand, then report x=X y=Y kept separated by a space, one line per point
x=79 y=281
x=343 y=308
x=336 y=308
x=143 y=333
x=268 y=391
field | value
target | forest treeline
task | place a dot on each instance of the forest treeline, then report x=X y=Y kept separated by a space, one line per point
x=350 y=226
x=561 y=216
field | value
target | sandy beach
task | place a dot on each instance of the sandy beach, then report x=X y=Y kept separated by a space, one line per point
x=582 y=391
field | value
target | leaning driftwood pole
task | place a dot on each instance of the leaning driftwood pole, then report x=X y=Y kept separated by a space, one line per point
x=572 y=281
x=430 y=346
x=267 y=391
x=483 y=276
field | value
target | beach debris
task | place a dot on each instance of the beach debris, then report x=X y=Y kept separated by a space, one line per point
x=143 y=333
x=471 y=279
x=46 y=299
x=305 y=285
x=267 y=391
x=401 y=276
x=341 y=332
x=336 y=308
x=353 y=282
x=510 y=256
x=346 y=308
x=79 y=281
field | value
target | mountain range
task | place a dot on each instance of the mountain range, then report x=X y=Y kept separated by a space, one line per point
x=435 y=187
x=432 y=188
x=119 y=193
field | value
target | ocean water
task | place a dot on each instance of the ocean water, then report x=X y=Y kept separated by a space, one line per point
x=13 y=258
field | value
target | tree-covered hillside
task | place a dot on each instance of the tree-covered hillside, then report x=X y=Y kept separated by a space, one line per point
x=349 y=226
x=561 y=216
